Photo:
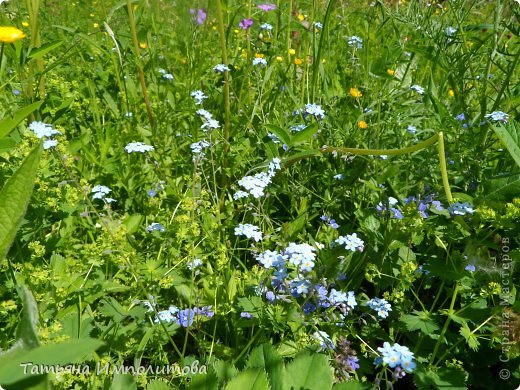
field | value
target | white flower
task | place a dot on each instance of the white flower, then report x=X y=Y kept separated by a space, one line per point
x=240 y=194
x=498 y=116
x=138 y=147
x=418 y=89
x=259 y=61
x=210 y=124
x=43 y=129
x=266 y=26
x=205 y=114
x=256 y=184
x=195 y=263
x=315 y=110
x=198 y=96
x=275 y=165
x=355 y=41
x=221 y=68
x=49 y=143
x=168 y=76
x=155 y=226
x=197 y=147
x=250 y=231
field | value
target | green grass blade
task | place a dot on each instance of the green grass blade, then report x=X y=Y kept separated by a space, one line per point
x=8 y=124
x=510 y=137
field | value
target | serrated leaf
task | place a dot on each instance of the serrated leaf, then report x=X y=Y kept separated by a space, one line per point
x=251 y=379
x=310 y=371
x=497 y=188
x=224 y=370
x=265 y=356
x=283 y=134
x=419 y=321
x=352 y=385
x=304 y=135
x=68 y=352
x=509 y=134
x=449 y=378
x=8 y=124
x=15 y=197
x=470 y=337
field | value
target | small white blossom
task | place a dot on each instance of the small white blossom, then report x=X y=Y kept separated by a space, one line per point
x=138 y=147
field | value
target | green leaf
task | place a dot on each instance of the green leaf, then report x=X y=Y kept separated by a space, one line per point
x=251 y=379
x=510 y=137
x=8 y=124
x=224 y=370
x=471 y=339
x=27 y=328
x=68 y=352
x=419 y=321
x=352 y=385
x=123 y=382
x=41 y=51
x=310 y=371
x=158 y=385
x=6 y=145
x=446 y=378
x=304 y=135
x=284 y=136
x=14 y=199
x=498 y=188
x=265 y=356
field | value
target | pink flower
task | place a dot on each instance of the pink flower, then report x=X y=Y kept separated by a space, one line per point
x=245 y=24
x=201 y=15
x=267 y=7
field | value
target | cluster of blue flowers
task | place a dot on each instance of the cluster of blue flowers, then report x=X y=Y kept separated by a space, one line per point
x=46 y=132
x=422 y=204
x=381 y=306
x=396 y=356
x=458 y=208
x=248 y=230
x=351 y=242
x=255 y=185
x=101 y=192
x=330 y=222
x=184 y=317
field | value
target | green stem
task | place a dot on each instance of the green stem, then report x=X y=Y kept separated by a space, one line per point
x=227 y=115
x=446 y=324
x=142 y=80
x=444 y=171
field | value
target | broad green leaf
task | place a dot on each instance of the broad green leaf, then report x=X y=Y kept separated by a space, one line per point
x=68 y=352
x=304 y=135
x=300 y=156
x=6 y=144
x=158 y=385
x=15 y=197
x=8 y=124
x=309 y=371
x=265 y=356
x=41 y=51
x=503 y=186
x=509 y=134
x=419 y=321
x=352 y=385
x=204 y=382
x=251 y=379
x=224 y=370
x=123 y=382
x=446 y=378
x=27 y=328
x=284 y=136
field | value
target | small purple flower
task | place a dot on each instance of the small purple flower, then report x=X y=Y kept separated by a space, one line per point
x=16 y=92
x=185 y=317
x=352 y=361
x=308 y=308
x=421 y=207
x=333 y=224
x=471 y=266
x=151 y=193
x=461 y=117
x=201 y=16
x=270 y=296
x=267 y=7
x=245 y=24
x=438 y=205
x=396 y=213
x=247 y=315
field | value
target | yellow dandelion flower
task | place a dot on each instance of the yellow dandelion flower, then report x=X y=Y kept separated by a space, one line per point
x=96 y=25
x=356 y=93
x=10 y=34
x=214 y=28
x=292 y=52
x=451 y=93
x=259 y=55
x=390 y=72
x=297 y=61
x=301 y=17
x=362 y=125
x=92 y=14
x=25 y=24
x=237 y=31
x=143 y=45
x=279 y=59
